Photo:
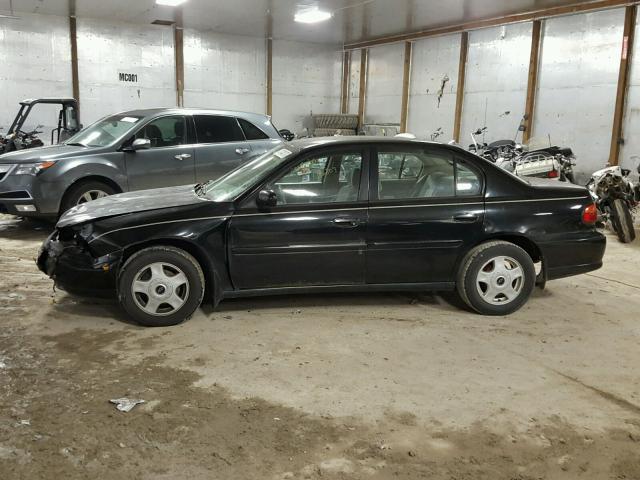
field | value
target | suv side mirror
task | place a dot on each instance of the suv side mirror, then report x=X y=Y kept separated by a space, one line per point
x=267 y=198
x=140 y=144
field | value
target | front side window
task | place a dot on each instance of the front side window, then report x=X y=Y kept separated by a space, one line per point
x=105 y=132
x=217 y=129
x=426 y=174
x=165 y=132
x=328 y=178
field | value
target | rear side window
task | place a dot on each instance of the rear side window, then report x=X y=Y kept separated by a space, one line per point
x=251 y=132
x=217 y=129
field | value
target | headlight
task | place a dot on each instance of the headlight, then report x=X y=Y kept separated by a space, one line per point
x=33 y=168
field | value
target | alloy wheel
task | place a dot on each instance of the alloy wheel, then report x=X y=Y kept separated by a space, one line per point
x=91 y=195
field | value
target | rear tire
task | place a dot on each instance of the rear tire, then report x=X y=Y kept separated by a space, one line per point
x=82 y=191
x=496 y=278
x=622 y=221
x=161 y=286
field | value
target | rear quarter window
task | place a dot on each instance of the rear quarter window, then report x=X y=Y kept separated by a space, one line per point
x=251 y=132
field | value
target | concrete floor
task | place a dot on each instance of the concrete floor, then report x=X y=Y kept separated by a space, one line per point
x=331 y=386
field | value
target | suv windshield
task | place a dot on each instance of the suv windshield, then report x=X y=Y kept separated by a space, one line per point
x=236 y=182
x=104 y=132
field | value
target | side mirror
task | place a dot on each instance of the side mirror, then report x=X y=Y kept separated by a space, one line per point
x=140 y=144
x=639 y=169
x=267 y=198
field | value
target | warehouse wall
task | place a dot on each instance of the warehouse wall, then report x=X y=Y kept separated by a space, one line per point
x=224 y=71
x=306 y=78
x=107 y=49
x=630 y=151
x=577 y=85
x=496 y=81
x=384 y=86
x=36 y=61
x=434 y=69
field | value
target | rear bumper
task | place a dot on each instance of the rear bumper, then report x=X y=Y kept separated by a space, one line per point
x=575 y=254
x=75 y=270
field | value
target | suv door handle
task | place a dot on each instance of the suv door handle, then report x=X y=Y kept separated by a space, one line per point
x=346 y=222
x=242 y=151
x=184 y=156
x=466 y=218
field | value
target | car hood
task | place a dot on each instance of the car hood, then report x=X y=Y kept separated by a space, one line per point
x=41 y=154
x=124 y=203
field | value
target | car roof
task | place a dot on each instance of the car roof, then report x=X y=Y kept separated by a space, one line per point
x=309 y=143
x=151 y=112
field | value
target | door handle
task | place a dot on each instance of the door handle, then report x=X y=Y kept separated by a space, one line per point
x=242 y=151
x=346 y=222
x=466 y=218
x=184 y=156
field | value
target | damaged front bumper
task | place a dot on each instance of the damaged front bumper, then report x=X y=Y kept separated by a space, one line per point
x=74 y=268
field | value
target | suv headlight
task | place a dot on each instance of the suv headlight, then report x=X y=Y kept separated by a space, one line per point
x=33 y=168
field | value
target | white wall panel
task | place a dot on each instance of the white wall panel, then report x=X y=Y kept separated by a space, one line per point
x=306 y=78
x=384 y=86
x=224 y=71
x=434 y=60
x=630 y=151
x=496 y=81
x=36 y=62
x=106 y=49
x=577 y=85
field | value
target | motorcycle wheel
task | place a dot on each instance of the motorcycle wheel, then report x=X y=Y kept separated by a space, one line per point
x=622 y=221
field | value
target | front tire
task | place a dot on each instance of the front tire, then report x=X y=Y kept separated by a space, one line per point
x=161 y=286
x=85 y=191
x=622 y=221
x=496 y=278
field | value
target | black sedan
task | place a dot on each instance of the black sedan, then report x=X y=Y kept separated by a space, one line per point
x=333 y=215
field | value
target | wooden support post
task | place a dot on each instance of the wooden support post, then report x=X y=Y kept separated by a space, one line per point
x=362 y=93
x=346 y=73
x=269 y=72
x=406 y=84
x=462 y=71
x=532 y=85
x=178 y=33
x=75 y=78
x=617 y=135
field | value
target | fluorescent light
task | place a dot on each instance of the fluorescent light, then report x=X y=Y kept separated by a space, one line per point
x=170 y=3
x=312 y=15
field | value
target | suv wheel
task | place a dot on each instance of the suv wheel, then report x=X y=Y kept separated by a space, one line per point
x=496 y=278
x=84 y=192
x=161 y=286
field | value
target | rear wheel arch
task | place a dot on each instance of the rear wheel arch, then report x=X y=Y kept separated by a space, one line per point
x=521 y=241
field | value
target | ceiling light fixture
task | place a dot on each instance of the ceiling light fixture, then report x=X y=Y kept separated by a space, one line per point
x=170 y=3
x=312 y=15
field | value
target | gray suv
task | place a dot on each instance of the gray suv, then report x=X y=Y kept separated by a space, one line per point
x=129 y=151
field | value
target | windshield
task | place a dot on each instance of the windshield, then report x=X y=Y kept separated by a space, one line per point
x=236 y=182
x=104 y=132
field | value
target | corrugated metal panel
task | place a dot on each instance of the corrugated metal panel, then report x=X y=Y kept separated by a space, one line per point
x=224 y=71
x=577 y=86
x=384 y=86
x=306 y=79
x=434 y=66
x=106 y=49
x=496 y=81
x=630 y=151
x=36 y=62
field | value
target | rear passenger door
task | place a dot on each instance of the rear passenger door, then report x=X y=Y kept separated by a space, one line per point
x=258 y=141
x=221 y=146
x=420 y=220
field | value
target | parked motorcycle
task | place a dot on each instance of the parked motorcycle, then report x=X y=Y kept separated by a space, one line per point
x=21 y=140
x=550 y=162
x=616 y=197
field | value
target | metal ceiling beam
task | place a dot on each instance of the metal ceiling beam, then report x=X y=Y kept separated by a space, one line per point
x=532 y=85
x=462 y=72
x=578 y=7
x=617 y=135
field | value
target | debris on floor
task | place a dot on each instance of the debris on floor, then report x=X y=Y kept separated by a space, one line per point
x=125 y=404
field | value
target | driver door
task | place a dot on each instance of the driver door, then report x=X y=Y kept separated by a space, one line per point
x=315 y=235
x=169 y=161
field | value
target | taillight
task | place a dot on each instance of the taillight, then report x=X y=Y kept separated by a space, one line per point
x=590 y=214
x=553 y=174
